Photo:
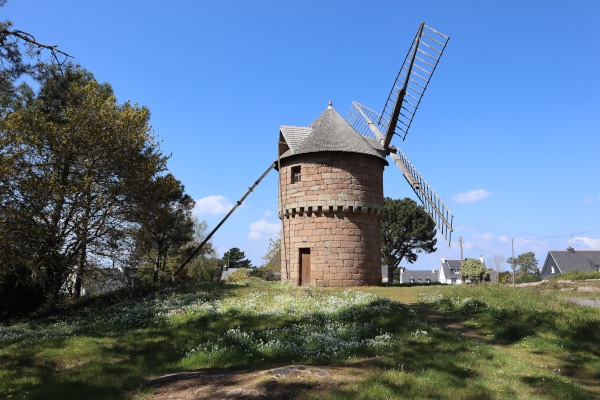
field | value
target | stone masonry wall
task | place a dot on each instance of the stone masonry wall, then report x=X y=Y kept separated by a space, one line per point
x=335 y=210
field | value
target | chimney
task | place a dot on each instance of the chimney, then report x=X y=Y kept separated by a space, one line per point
x=570 y=250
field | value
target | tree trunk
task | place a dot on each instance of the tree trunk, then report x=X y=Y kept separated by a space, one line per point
x=156 y=268
x=390 y=274
x=79 y=271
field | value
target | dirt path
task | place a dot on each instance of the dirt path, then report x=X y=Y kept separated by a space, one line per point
x=450 y=323
x=290 y=382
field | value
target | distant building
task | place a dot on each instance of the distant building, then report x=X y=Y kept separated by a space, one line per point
x=384 y=273
x=419 y=276
x=97 y=280
x=562 y=261
x=450 y=272
x=226 y=271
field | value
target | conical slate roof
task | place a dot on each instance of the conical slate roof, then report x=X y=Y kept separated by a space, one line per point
x=329 y=132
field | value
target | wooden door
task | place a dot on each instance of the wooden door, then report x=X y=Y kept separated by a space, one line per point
x=304 y=275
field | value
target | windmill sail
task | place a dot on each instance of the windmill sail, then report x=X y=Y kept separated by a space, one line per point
x=361 y=118
x=411 y=82
x=442 y=216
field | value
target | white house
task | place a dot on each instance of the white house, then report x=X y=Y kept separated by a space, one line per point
x=419 y=276
x=450 y=272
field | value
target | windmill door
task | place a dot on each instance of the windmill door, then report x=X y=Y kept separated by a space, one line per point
x=304 y=273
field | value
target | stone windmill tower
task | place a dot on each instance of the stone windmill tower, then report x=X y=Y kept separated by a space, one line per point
x=331 y=198
x=331 y=203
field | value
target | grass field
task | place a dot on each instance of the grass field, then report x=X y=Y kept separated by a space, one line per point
x=436 y=342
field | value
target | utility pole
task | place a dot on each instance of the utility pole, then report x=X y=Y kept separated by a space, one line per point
x=461 y=249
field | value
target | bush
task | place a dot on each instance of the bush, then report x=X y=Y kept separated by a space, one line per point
x=527 y=278
x=19 y=297
x=238 y=276
x=265 y=274
x=578 y=276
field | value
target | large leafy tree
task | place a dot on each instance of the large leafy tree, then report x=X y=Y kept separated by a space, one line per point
x=406 y=231
x=166 y=229
x=70 y=160
x=474 y=271
x=526 y=264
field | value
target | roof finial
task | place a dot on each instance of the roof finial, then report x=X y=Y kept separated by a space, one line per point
x=330 y=105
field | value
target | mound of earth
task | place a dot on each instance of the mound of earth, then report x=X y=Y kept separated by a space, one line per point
x=288 y=382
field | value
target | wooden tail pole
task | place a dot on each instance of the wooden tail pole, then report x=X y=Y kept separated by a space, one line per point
x=239 y=202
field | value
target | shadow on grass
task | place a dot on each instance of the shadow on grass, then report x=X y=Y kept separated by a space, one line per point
x=576 y=327
x=428 y=361
x=548 y=331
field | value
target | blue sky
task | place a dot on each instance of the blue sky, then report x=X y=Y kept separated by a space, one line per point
x=507 y=134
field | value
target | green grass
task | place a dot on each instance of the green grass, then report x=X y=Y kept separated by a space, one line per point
x=533 y=344
x=577 y=275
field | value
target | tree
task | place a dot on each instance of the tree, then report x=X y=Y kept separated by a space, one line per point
x=497 y=262
x=235 y=258
x=197 y=250
x=474 y=271
x=505 y=277
x=70 y=159
x=406 y=231
x=205 y=266
x=166 y=227
x=526 y=264
x=271 y=269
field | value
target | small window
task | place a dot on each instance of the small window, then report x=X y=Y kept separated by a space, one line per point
x=552 y=270
x=598 y=268
x=296 y=175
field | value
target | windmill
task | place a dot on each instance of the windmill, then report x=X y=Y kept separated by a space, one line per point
x=331 y=180
x=398 y=113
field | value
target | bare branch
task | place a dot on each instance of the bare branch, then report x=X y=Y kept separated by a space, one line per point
x=33 y=43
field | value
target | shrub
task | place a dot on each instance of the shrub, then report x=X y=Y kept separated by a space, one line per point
x=20 y=296
x=527 y=278
x=578 y=275
x=266 y=274
x=238 y=276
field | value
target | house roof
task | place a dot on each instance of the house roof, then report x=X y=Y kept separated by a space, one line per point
x=329 y=132
x=448 y=265
x=420 y=275
x=227 y=271
x=575 y=260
